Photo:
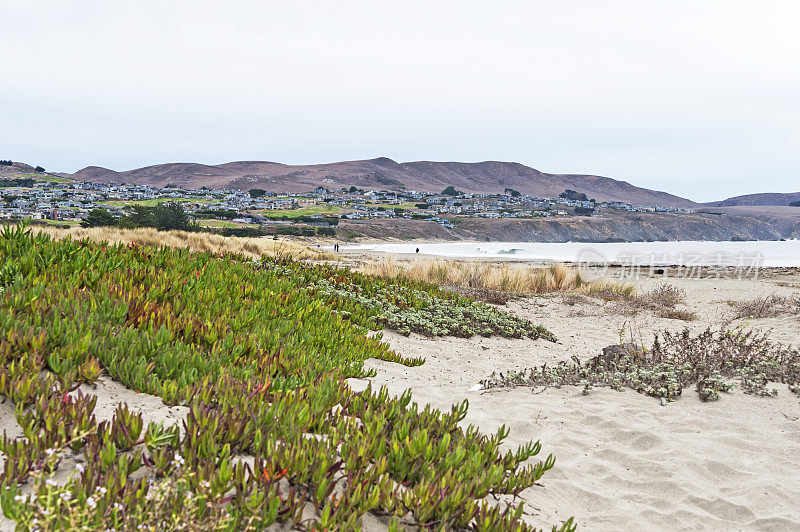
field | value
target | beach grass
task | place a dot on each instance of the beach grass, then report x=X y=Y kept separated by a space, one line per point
x=499 y=277
x=196 y=242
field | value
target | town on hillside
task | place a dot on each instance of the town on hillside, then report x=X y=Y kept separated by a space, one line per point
x=62 y=201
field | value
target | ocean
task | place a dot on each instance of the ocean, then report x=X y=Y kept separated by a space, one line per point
x=682 y=253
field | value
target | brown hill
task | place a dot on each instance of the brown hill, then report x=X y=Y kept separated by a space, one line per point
x=384 y=174
x=16 y=170
x=751 y=200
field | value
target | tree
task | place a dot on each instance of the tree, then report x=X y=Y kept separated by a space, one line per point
x=99 y=218
x=38 y=169
x=168 y=216
x=257 y=192
x=794 y=204
x=140 y=216
x=573 y=195
x=451 y=191
x=6 y=162
x=513 y=193
x=164 y=217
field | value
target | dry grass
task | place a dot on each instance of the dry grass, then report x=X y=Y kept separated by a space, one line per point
x=765 y=307
x=250 y=247
x=495 y=279
x=662 y=301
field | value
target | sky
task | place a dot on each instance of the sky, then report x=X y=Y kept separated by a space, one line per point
x=700 y=98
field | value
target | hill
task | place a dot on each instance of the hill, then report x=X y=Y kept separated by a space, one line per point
x=384 y=174
x=752 y=200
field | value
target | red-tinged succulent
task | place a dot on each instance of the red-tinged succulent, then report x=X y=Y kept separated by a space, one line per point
x=259 y=353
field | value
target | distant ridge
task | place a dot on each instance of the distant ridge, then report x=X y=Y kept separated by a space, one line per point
x=488 y=177
x=763 y=199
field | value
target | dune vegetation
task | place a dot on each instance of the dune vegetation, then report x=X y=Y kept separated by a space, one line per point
x=500 y=277
x=257 y=353
x=146 y=236
x=713 y=361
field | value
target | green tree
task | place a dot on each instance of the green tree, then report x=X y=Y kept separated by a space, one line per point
x=99 y=218
x=451 y=191
x=573 y=195
x=257 y=192
x=140 y=216
x=172 y=215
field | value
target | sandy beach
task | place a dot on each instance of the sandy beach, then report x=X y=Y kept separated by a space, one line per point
x=623 y=459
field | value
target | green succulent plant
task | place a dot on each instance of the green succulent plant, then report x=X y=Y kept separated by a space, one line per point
x=259 y=354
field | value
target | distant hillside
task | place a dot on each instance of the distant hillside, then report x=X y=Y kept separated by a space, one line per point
x=384 y=174
x=16 y=170
x=751 y=200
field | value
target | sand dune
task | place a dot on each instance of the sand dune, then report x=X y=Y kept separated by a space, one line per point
x=623 y=460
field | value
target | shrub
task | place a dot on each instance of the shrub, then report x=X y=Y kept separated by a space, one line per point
x=661 y=300
x=711 y=361
x=765 y=307
x=21 y=182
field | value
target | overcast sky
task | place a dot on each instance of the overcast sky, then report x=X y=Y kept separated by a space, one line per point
x=697 y=97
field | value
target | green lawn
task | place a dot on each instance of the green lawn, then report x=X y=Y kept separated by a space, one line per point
x=62 y=223
x=223 y=223
x=305 y=211
x=44 y=177
x=51 y=178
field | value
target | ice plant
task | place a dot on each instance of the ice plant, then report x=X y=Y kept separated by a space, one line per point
x=259 y=354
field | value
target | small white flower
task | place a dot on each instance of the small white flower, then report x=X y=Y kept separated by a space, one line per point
x=67 y=495
x=49 y=452
x=101 y=489
x=51 y=482
x=21 y=498
x=204 y=484
x=80 y=468
x=91 y=503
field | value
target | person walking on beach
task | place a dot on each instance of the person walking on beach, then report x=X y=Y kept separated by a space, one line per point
x=417 y=250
